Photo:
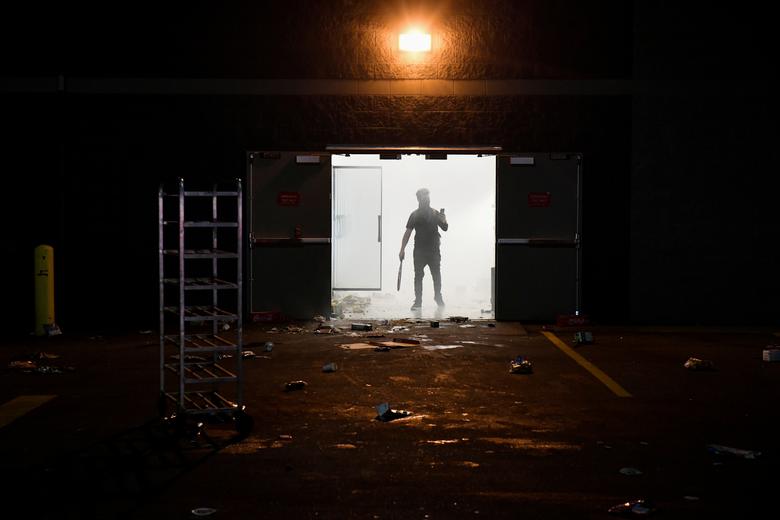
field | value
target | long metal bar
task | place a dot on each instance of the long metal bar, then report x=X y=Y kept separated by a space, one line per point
x=214 y=261
x=239 y=298
x=181 y=294
x=160 y=212
x=578 y=240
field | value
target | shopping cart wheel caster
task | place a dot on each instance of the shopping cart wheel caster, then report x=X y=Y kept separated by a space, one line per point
x=243 y=422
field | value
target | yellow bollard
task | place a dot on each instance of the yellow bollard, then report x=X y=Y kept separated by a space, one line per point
x=44 y=289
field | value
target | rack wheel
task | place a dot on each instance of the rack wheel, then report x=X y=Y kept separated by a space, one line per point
x=243 y=423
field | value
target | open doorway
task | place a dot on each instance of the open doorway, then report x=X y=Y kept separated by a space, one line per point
x=372 y=199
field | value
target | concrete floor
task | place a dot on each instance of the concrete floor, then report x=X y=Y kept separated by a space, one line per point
x=483 y=443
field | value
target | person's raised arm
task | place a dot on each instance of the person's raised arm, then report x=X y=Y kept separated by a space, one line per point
x=442 y=220
x=404 y=242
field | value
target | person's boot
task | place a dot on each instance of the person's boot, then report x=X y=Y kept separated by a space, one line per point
x=439 y=301
x=417 y=305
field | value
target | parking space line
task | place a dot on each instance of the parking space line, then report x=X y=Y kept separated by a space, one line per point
x=19 y=406
x=587 y=365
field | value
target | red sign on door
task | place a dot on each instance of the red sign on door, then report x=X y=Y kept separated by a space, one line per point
x=539 y=200
x=288 y=198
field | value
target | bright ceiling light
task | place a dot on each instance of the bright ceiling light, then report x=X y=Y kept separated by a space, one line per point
x=414 y=41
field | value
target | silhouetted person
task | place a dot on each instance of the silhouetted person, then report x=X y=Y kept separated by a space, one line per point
x=425 y=221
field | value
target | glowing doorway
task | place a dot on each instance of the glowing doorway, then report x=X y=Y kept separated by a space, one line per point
x=464 y=185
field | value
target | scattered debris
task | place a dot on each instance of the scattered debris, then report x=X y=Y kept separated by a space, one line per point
x=583 y=338
x=771 y=353
x=633 y=507
x=330 y=367
x=204 y=511
x=294 y=330
x=362 y=326
x=345 y=446
x=468 y=326
x=386 y=414
x=268 y=347
x=319 y=318
x=458 y=319
x=145 y=332
x=23 y=365
x=248 y=354
x=520 y=365
x=295 y=385
x=226 y=326
x=358 y=346
x=382 y=349
x=285 y=437
x=630 y=471
x=441 y=347
x=327 y=329
x=399 y=328
x=491 y=325
x=719 y=449
x=699 y=364
x=435 y=324
x=52 y=329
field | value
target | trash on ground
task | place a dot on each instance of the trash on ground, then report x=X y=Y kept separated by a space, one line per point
x=295 y=385
x=294 y=330
x=144 y=332
x=468 y=326
x=330 y=367
x=361 y=326
x=435 y=324
x=399 y=328
x=226 y=326
x=771 y=353
x=204 y=511
x=491 y=325
x=327 y=329
x=630 y=471
x=52 y=329
x=441 y=347
x=319 y=318
x=633 y=507
x=521 y=365
x=248 y=354
x=719 y=449
x=358 y=346
x=583 y=338
x=284 y=437
x=268 y=347
x=23 y=365
x=386 y=414
x=458 y=319
x=699 y=364
x=406 y=341
x=382 y=349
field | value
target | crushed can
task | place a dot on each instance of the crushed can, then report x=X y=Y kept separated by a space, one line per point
x=521 y=365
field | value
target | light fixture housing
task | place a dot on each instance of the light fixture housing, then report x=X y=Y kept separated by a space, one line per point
x=414 y=41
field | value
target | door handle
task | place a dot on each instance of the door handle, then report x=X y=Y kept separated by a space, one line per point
x=379 y=228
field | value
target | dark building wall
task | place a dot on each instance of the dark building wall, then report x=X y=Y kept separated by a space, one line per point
x=96 y=160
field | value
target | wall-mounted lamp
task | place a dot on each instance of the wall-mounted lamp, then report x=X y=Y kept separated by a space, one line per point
x=414 y=41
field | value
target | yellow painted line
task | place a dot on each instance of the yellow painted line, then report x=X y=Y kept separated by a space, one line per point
x=19 y=406
x=587 y=365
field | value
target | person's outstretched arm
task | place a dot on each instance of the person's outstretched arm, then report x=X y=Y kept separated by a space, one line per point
x=404 y=242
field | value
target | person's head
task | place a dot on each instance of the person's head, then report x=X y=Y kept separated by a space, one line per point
x=424 y=197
